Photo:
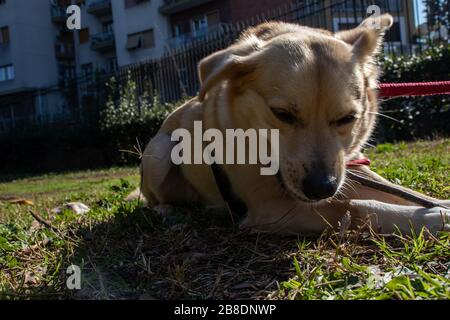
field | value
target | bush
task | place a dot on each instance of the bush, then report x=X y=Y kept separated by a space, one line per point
x=418 y=117
x=58 y=147
x=127 y=123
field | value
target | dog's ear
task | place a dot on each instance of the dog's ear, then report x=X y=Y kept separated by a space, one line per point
x=367 y=38
x=233 y=62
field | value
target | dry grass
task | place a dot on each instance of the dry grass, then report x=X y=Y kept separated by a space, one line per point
x=129 y=252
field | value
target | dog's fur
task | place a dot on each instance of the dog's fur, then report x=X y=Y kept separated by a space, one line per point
x=319 y=90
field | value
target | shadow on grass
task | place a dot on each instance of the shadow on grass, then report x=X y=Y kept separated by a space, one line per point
x=189 y=255
x=6 y=177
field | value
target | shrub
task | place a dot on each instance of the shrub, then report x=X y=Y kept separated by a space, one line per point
x=127 y=123
x=418 y=117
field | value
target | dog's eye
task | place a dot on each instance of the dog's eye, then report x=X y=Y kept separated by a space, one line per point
x=284 y=115
x=346 y=120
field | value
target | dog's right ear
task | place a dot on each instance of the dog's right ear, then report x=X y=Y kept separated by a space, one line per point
x=233 y=62
x=367 y=38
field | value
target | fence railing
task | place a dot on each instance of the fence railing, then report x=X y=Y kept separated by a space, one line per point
x=173 y=76
x=199 y=35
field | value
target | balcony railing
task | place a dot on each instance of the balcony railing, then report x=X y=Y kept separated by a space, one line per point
x=186 y=38
x=64 y=51
x=58 y=14
x=103 y=41
x=174 y=6
x=99 y=7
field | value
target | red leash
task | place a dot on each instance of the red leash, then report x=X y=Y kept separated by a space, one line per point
x=414 y=89
x=358 y=163
x=401 y=90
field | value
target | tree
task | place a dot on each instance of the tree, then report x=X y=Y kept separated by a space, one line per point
x=437 y=13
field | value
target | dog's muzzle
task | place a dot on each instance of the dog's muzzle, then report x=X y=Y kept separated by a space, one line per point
x=317 y=186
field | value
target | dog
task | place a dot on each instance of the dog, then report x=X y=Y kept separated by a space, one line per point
x=319 y=89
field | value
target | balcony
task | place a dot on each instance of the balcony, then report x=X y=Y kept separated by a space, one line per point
x=103 y=42
x=64 y=51
x=186 y=38
x=58 y=14
x=174 y=6
x=99 y=8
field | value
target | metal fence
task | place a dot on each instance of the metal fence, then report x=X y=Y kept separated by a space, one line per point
x=174 y=76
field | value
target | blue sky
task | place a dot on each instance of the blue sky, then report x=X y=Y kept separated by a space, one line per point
x=421 y=9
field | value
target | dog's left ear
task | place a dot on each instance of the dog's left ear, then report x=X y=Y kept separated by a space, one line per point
x=367 y=38
x=229 y=64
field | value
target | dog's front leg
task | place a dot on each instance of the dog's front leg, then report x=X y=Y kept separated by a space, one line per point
x=386 y=218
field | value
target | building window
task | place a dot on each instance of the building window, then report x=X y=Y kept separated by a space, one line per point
x=144 y=40
x=111 y=65
x=7 y=73
x=213 y=18
x=177 y=30
x=134 y=41
x=200 y=24
x=133 y=3
x=67 y=73
x=83 y=35
x=4 y=35
x=108 y=27
x=148 y=39
x=87 y=70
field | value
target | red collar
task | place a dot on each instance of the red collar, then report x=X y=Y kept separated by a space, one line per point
x=358 y=162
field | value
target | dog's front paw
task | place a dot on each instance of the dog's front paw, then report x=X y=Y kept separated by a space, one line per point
x=445 y=203
x=434 y=219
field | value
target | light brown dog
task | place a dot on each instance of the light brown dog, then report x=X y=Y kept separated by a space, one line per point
x=320 y=90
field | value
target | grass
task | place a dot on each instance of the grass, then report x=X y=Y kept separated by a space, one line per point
x=128 y=252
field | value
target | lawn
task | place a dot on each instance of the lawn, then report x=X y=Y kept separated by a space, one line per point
x=128 y=252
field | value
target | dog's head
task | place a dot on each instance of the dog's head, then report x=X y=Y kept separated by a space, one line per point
x=317 y=88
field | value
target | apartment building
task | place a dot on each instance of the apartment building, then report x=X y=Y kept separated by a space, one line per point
x=117 y=33
x=27 y=61
x=194 y=19
x=41 y=59
x=402 y=33
x=141 y=31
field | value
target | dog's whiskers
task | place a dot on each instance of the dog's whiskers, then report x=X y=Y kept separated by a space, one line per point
x=367 y=144
x=385 y=116
x=348 y=183
x=341 y=192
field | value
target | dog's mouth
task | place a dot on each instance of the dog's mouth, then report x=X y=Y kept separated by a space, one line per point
x=292 y=193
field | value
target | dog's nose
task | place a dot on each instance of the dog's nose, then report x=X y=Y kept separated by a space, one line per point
x=318 y=186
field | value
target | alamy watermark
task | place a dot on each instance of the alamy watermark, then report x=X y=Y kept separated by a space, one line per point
x=236 y=147
x=73 y=281
x=74 y=20
x=74 y=17
x=375 y=13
